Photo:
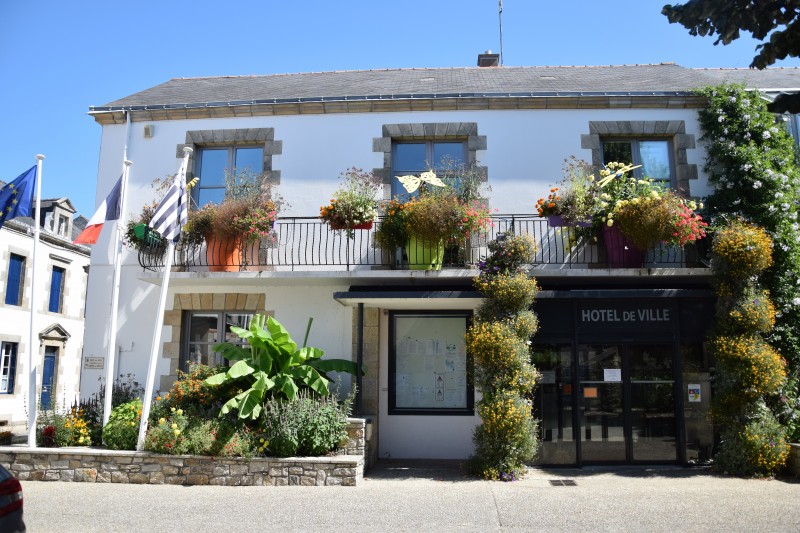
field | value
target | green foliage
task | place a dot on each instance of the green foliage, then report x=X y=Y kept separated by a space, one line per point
x=184 y=434
x=725 y=18
x=751 y=162
x=305 y=425
x=355 y=202
x=758 y=449
x=122 y=430
x=50 y=429
x=272 y=364
x=499 y=343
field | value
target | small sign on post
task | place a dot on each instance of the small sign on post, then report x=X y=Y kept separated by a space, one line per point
x=94 y=363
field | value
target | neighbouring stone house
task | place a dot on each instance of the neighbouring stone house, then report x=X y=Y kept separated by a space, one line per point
x=61 y=277
x=602 y=329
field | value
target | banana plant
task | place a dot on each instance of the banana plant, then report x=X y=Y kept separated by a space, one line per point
x=272 y=364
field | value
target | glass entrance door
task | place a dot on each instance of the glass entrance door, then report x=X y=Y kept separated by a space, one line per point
x=626 y=403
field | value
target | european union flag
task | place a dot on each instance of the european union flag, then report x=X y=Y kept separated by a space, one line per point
x=16 y=198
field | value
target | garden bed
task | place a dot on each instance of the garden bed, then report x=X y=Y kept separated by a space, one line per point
x=96 y=465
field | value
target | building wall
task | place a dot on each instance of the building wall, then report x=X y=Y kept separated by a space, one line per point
x=64 y=330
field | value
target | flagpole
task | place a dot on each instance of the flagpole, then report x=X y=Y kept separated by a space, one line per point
x=162 y=300
x=33 y=345
x=112 y=334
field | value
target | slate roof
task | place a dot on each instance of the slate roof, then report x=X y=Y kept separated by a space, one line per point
x=657 y=79
x=768 y=80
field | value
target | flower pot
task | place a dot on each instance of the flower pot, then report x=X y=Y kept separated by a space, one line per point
x=557 y=221
x=223 y=255
x=424 y=255
x=363 y=225
x=621 y=253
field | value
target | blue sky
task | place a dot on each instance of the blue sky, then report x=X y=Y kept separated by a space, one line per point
x=59 y=58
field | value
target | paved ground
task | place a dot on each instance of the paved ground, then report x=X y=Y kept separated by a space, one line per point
x=428 y=496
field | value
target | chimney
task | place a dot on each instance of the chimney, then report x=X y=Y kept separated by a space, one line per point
x=488 y=59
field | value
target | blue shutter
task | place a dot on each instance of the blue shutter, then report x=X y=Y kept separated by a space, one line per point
x=56 y=281
x=16 y=271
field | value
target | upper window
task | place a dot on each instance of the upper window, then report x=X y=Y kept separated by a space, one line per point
x=63 y=225
x=8 y=366
x=215 y=164
x=56 y=289
x=16 y=280
x=428 y=364
x=418 y=157
x=204 y=329
x=653 y=155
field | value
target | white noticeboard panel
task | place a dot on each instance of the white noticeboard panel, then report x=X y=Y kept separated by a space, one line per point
x=430 y=362
x=612 y=374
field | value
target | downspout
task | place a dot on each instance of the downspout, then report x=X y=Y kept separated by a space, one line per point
x=359 y=359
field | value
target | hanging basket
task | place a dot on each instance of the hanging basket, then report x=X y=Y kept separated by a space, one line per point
x=339 y=226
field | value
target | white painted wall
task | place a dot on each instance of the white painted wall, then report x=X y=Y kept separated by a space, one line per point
x=15 y=320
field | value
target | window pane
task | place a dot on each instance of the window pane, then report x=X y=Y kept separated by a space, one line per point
x=448 y=155
x=617 y=152
x=214 y=196
x=8 y=366
x=238 y=320
x=213 y=163
x=655 y=159
x=409 y=157
x=204 y=328
x=249 y=159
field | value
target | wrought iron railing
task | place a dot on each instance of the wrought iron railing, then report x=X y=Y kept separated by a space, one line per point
x=300 y=243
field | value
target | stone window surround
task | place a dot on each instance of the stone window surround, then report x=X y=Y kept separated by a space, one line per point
x=674 y=130
x=264 y=137
x=218 y=301
x=20 y=364
x=428 y=131
x=6 y=260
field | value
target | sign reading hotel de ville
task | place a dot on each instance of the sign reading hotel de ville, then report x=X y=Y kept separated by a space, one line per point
x=626 y=315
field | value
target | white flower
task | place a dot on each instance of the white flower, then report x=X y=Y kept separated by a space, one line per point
x=766 y=135
x=721 y=118
x=747 y=166
x=785 y=207
x=757 y=184
x=779 y=194
x=733 y=99
x=772 y=209
x=737 y=201
x=796 y=301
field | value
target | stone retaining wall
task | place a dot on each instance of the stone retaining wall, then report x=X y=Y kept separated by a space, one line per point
x=108 y=466
x=793 y=464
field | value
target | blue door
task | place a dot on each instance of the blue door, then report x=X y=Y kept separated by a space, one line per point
x=47 y=375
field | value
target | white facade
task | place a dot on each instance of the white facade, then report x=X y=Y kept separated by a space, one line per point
x=59 y=334
x=523 y=155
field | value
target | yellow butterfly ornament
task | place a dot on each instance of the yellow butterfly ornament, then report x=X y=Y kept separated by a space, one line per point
x=411 y=183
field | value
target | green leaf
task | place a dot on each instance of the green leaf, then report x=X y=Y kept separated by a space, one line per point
x=231 y=352
x=218 y=379
x=312 y=378
x=263 y=382
x=281 y=337
x=306 y=354
x=336 y=365
x=240 y=369
x=285 y=383
x=250 y=404
x=233 y=403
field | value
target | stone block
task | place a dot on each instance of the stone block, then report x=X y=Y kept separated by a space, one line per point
x=138 y=479
x=86 y=474
x=197 y=479
x=333 y=480
x=218 y=481
x=281 y=481
x=277 y=471
x=344 y=471
x=174 y=480
x=169 y=470
x=349 y=482
x=150 y=468
x=239 y=470
x=308 y=481
x=103 y=477
x=51 y=475
x=294 y=480
x=59 y=464
x=119 y=477
x=123 y=459
x=157 y=478
x=295 y=470
x=22 y=467
x=221 y=470
x=23 y=476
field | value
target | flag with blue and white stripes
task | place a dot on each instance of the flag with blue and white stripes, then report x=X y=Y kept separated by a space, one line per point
x=171 y=214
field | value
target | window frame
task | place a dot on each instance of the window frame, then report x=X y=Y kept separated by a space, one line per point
x=8 y=365
x=637 y=156
x=396 y=188
x=19 y=285
x=59 y=304
x=230 y=165
x=469 y=410
x=187 y=343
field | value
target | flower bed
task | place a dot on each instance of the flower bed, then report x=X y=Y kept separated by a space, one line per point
x=90 y=465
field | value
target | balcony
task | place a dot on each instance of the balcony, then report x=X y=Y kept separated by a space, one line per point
x=307 y=244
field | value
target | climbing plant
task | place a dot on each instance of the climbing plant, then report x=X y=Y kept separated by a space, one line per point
x=749 y=371
x=499 y=342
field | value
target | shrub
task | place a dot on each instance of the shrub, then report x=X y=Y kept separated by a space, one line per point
x=740 y=250
x=51 y=431
x=507 y=294
x=307 y=425
x=122 y=430
x=759 y=449
x=758 y=368
x=508 y=253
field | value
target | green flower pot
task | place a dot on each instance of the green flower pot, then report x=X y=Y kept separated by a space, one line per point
x=424 y=255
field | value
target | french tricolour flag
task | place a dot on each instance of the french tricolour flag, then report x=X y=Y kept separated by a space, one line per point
x=108 y=210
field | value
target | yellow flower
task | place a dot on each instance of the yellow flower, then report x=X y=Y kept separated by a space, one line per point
x=179 y=412
x=177 y=432
x=162 y=421
x=172 y=409
x=174 y=426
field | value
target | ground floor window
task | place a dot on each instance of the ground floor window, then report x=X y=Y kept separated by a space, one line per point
x=429 y=368
x=204 y=329
x=8 y=366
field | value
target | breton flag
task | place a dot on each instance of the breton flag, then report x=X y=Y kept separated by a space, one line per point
x=108 y=210
x=16 y=198
x=172 y=213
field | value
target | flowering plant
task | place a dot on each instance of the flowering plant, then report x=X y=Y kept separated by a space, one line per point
x=574 y=198
x=256 y=222
x=354 y=203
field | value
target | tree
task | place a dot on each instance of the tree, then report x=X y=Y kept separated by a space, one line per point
x=726 y=18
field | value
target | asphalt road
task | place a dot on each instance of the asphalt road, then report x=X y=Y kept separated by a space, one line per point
x=401 y=496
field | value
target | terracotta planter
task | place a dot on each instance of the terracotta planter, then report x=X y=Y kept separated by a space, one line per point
x=620 y=252
x=363 y=225
x=424 y=255
x=223 y=255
